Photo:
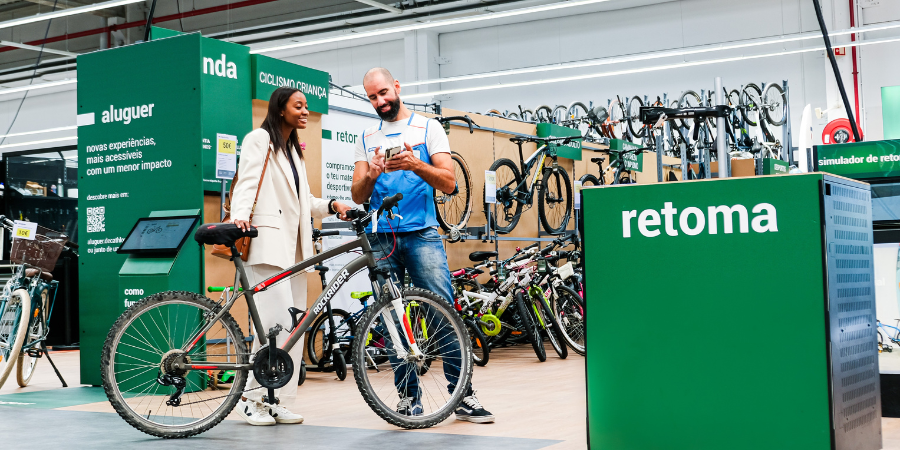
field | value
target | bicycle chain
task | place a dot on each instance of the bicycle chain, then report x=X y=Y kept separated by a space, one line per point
x=224 y=396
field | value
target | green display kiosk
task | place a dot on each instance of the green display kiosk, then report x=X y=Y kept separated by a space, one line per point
x=734 y=313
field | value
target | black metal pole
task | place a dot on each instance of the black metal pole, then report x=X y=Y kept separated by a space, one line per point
x=834 y=67
x=149 y=21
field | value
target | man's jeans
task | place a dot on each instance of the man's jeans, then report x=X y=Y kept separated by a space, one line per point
x=421 y=253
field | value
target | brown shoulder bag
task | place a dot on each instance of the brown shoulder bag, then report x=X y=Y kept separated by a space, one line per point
x=242 y=244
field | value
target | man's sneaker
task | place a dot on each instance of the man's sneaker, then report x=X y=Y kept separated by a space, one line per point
x=283 y=415
x=410 y=406
x=254 y=412
x=471 y=410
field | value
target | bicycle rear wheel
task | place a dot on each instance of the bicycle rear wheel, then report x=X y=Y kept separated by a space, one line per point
x=443 y=339
x=27 y=363
x=139 y=354
x=509 y=208
x=13 y=330
x=453 y=210
x=555 y=200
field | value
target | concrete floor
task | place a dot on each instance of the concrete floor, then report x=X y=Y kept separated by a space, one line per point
x=537 y=405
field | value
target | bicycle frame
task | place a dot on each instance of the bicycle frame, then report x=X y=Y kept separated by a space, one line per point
x=540 y=155
x=365 y=261
x=896 y=337
x=36 y=315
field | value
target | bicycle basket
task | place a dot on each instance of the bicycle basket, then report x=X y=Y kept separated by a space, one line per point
x=41 y=252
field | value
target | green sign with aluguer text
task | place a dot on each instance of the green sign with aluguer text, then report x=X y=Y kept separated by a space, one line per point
x=870 y=159
x=572 y=149
x=270 y=74
x=633 y=161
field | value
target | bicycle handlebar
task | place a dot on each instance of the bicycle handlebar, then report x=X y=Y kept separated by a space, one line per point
x=468 y=120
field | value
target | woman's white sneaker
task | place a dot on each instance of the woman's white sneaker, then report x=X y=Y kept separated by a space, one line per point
x=254 y=413
x=283 y=415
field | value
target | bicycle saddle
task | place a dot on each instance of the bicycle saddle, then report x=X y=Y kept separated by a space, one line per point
x=222 y=233
x=481 y=256
x=597 y=160
x=46 y=276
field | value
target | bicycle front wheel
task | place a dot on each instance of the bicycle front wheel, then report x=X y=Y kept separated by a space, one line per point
x=555 y=200
x=529 y=327
x=481 y=353
x=13 y=330
x=569 y=309
x=590 y=180
x=27 y=363
x=552 y=329
x=774 y=105
x=137 y=364
x=440 y=334
x=453 y=210
x=635 y=126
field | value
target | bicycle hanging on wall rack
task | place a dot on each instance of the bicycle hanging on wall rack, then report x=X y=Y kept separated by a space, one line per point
x=554 y=193
x=453 y=209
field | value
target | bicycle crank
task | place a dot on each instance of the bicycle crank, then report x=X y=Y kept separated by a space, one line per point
x=272 y=376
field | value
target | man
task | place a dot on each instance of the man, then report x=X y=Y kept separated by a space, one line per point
x=422 y=165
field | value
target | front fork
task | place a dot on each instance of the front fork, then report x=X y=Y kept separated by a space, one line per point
x=414 y=353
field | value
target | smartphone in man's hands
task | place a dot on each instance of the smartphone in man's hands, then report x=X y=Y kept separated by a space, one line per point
x=390 y=153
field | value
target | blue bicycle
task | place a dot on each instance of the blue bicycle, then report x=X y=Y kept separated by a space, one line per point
x=895 y=338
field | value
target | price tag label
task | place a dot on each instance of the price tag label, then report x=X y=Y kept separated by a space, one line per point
x=226 y=156
x=24 y=230
x=490 y=186
x=577 y=194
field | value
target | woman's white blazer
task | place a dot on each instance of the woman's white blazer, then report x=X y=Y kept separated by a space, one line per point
x=281 y=215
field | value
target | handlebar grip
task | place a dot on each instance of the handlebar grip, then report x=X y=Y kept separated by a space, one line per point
x=531 y=246
x=330 y=233
x=390 y=202
x=353 y=214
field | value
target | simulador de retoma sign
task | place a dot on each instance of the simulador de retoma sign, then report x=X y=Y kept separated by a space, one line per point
x=270 y=74
x=870 y=159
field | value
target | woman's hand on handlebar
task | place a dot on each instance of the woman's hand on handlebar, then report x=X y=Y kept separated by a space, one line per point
x=242 y=224
x=341 y=210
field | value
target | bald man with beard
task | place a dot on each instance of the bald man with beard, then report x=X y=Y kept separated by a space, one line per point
x=422 y=165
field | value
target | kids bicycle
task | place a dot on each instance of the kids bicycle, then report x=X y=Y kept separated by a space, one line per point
x=157 y=355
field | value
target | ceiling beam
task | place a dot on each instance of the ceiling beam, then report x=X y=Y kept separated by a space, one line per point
x=37 y=49
x=376 y=4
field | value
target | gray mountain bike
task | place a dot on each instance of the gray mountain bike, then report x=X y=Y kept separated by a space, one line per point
x=162 y=355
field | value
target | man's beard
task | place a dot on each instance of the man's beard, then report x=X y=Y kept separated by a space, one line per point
x=391 y=114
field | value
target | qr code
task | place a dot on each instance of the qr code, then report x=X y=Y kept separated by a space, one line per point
x=96 y=219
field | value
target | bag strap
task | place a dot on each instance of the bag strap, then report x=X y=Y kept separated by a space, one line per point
x=259 y=186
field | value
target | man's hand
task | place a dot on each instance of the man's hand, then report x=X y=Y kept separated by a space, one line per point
x=405 y=160
x=376 y=167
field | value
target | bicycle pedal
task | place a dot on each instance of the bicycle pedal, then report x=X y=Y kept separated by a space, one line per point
x=35 y=352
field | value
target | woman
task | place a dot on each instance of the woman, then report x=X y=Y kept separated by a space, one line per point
x=282 y=215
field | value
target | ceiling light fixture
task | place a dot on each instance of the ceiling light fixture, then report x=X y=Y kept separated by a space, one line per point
x=48 y=130
x=641 y=70
x=66 y=12
x=646 y=56
x=31 y=87
x=44 y=141
x=435 y=24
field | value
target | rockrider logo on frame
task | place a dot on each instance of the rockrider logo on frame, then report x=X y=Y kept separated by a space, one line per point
x=338 y=282
x=766 y=220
